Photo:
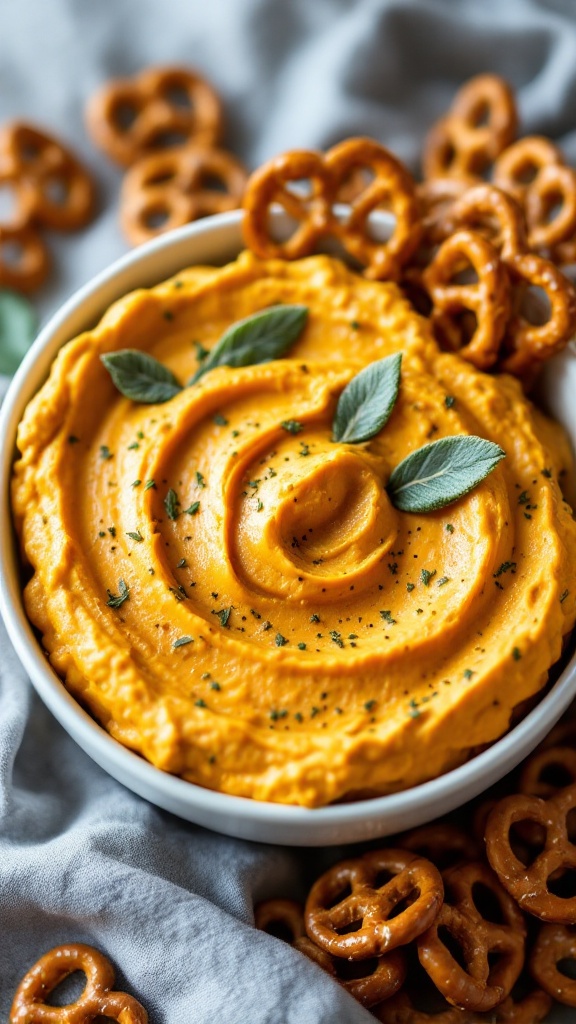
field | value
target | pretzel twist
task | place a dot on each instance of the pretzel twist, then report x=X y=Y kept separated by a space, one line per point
x=481 y=122
x=54 y=188
x=178 y=186
x=518 y=167
x=550 y=204
x=479 y=985
x=161 y=107
x=528 y=884
x=555 y=942
x=442 y=843
x=97 y=1000
x=487 y=298
x=24 y=259
x=372 y=902
x=391 y=188
x=279 y=915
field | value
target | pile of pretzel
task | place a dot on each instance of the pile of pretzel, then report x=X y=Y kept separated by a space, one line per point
x=165 y=125
x=456 y=924
x=468 y=253
x=49 y=189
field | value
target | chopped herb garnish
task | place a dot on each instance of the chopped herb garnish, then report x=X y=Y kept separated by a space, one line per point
x=224 y=615
x=201 y=352
x=387 y=616
x=135 y=535
x=505 y=567
x=171 y=503
x=449 y=401
x=105 y=452
x=220 y=420
x=280 y=640
x=449 y=528
x=112 y=531
x=426 y=575
x=336 y=637
x=419 y=611
x=200 y=703
x=182 y=641
x=314 y=618
x=150 y=484
x=523 y=498
x=200 y=481
x=292 y=426
x=414 y=712
x=72 y=439
x=299 y=716
x=136 y=483
x=467 y=673
x=266 y=625
x=115 y=600
x=370 y=705
x=410 y=587
x=516 y=653
x=192 y=509
x=301 y=646
x=182 y=564
x=259 y=506
x=215 y=686
x=443 y=581
x=547 y=473
x=393 y=567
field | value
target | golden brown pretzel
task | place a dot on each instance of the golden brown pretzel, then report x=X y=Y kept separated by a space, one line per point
x=392 y=188
x=555 y=942
x=550 y=204
x=492 y=213
x=156 y=109
x=487 y=298
x=24 y=259
x=166 y=190
x=369 y=981
x=275 y=182
x=60 y=194
x=547 y=771
x=442 y=843
x=97 y=1000
x=437 y=197
x=527 y=344
x=529 y=884
x=480 y=985
x=282 y=918
x=518 y=167
x=366 y=891
x=280 y=181
x=481 y=122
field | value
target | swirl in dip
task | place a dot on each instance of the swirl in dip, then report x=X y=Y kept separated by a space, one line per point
x=288 y=634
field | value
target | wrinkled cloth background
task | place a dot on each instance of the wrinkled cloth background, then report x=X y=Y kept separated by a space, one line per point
x=81 y=858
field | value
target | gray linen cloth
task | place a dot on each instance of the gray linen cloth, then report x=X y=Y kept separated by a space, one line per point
x=81 y=858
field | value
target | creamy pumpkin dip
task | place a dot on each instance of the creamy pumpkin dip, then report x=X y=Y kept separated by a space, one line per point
x=233 y=595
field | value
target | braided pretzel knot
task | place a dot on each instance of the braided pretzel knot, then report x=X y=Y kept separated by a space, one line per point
x=481 y=122
x=59 y=193
x=160 y=107
x=534 y=1008
x=24 y=259
x=97 y=999
x=488 y=297
x=528 y=884
x=377 y=979
x=442 y=843
x=550 y=204
x=518 y=167
x=178 y=186
x=372 y=902
x=391 y=187
x=480 y=985
x=555 y=942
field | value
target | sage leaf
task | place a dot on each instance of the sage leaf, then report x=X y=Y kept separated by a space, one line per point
x=366 y=403
x=117 y=600
x=18 y=325
x=140 y=377
x=441 y=472
x=257 y=339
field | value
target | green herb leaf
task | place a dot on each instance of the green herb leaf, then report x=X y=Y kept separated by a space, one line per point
x=18 y=325
x=292 y=426
x=366 y=403
x=193 y=508
x=135 y=535
x=182 y=641
x=115 y=600
x=442 y=472
x=257 y=339
x=171 y=503
x=140 y=377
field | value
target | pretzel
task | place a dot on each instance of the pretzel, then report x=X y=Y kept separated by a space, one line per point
x=158 y=108
x=442 y=843
x=552 y=192
x=533 y=1009
x=548 y=771
x=494 y=214
x=178 y=186
x=280 y=918
x=371 y=904
x=527 y=344
x=97 y=1000
x=529 y=884
x=371 y=980
x=24 y=259
x=517 y=168
x=59 y=192
x=481 y=122
x=562 y=735
x=480 y=985
x=555 y=942
x=437 y=197
x=391 y=187
x=488 y=298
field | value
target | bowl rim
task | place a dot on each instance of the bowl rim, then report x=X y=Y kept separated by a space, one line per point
x=488 y=764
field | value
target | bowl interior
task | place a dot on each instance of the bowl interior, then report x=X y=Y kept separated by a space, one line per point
x=215 y=241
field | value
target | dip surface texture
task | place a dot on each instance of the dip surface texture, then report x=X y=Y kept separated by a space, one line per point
x=286 y=633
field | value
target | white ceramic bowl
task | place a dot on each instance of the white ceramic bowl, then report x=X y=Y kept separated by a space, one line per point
x=217 y=240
